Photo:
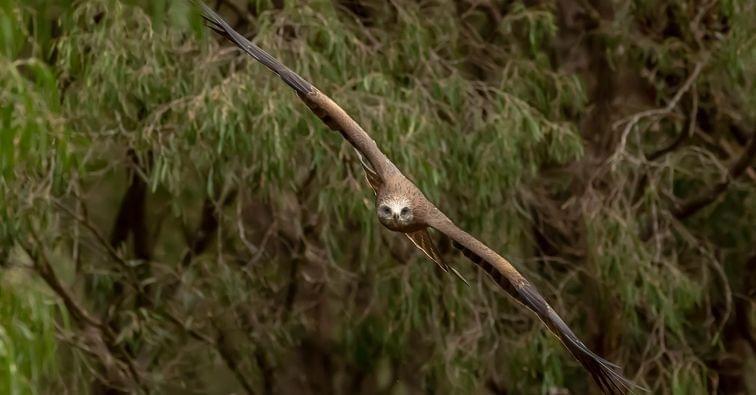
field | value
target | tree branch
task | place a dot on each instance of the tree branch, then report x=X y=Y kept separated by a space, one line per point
x=44 y=268
x=209 y=221
x=684 y=135
x=101 y=336
x=132 y=213
x=633 y=120
x=227 y=353
x=151 y=305
x=100 y=238
x=691 y=206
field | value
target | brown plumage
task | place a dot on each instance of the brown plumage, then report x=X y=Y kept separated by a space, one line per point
x=402 y=207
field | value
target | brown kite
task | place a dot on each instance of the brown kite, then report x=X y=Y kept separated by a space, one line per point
x=402 y=207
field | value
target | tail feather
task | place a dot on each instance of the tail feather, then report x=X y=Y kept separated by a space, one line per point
x=220 y=26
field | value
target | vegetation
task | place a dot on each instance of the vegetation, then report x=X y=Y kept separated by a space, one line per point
x=173 y=220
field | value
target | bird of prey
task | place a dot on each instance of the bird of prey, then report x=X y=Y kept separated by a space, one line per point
x=402 y=207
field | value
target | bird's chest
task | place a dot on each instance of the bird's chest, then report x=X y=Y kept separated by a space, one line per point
x=403 y=228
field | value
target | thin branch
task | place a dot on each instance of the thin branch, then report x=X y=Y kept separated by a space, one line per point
x=184 y=327
x=633 y=120
x=104 y=336
x=692 y=119
x=253 y=249
x=151 y=305
x=691 y=206
x=264 y=242
x=44 y=268
x=227 y=354
x=209 y=221
x=170 y=316
x=132 y=213
x=265 y=369
x=100 y=238
x=684 y=135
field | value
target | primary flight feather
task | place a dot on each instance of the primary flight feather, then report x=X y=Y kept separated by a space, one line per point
x=402 y=207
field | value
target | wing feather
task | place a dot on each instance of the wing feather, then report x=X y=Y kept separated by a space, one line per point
x=607 y=375
x=423 y=241
x=325 y=108
x=220 y=26
x=370 y=175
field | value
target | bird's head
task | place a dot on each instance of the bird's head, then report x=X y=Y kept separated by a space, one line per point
x=395 y=212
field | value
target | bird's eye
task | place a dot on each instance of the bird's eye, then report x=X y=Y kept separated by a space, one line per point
x=405 y=211
x=385 y=210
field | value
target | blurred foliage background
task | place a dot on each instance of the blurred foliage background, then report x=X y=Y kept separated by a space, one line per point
x=173 y=220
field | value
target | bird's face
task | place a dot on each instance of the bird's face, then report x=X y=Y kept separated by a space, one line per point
x=395 y=213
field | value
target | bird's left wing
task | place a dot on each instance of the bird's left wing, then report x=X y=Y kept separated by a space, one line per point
x=607 y=375
x=378 y=166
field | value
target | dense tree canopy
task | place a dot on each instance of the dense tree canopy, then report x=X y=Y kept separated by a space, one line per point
x=173 y=220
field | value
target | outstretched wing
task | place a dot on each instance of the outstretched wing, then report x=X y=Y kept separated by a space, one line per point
x=325 y=108
x=608 y=376
x=371 y=176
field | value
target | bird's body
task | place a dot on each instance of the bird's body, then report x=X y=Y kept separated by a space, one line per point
x=402 y=207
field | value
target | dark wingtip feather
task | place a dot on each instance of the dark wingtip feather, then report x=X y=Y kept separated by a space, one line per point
x=607 y=375
x=220 y=26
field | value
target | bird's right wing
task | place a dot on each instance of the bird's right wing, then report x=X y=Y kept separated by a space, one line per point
x=325 y=108
x=607 y=375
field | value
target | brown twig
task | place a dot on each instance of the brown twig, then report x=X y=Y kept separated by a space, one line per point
x=633 y=120
x=227 y=353
x=209 y=222
x=684 y=135
x=96 y=233
x=692 y=205
x=265 y=369
x=131 y=217
x=103 y=337
x=44 y=268
x=150 y=304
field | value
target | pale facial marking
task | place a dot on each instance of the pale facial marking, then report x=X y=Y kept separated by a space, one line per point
x=395 y=211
